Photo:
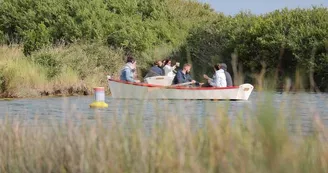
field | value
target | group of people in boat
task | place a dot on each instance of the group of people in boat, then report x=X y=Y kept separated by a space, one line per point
x=162 y=68
x=221 y=77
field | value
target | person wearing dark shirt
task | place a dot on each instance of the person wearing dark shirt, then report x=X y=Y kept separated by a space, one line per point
x=156 y=70
x=183 y=76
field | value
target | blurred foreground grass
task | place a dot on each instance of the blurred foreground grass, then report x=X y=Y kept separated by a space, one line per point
x=261 y=143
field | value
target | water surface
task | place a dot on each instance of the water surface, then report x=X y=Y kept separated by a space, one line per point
x=298 y=107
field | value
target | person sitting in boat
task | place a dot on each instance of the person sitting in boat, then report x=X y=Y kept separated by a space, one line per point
x=219 y=78
x=227 y=74
x=128 y=71
x=168 y=68
x=183 y=75
x=156 y=70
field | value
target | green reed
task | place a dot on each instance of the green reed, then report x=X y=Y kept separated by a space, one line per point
x=261 y=143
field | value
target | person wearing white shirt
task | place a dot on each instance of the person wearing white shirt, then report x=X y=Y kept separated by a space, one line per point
x=168 y=69
x=219 y=78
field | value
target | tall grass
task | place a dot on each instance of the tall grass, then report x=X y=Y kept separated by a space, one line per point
x=261 y=143
x=74 y=69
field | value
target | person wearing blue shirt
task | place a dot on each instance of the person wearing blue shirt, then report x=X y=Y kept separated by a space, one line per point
x=183 y=76
x=156 y=70
x=127 y=73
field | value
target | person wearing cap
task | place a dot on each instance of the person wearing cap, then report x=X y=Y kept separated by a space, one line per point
x=128 y=71
x=227 y=74
x=219 y=78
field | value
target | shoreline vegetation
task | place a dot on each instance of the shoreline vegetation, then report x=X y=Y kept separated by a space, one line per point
x=261 y=141
x=56 y=71
x=64 y=47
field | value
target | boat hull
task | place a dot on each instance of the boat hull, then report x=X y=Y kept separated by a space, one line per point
x=124 y=90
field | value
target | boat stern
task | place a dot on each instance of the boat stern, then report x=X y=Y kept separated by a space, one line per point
x=244 y=91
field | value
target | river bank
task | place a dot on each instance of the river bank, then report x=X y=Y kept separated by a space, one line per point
x=72 y=70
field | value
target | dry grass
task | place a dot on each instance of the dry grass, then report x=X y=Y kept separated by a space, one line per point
x=56 y=71
x=262 y=143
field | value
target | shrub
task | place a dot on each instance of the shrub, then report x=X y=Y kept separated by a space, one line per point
x=22 y=78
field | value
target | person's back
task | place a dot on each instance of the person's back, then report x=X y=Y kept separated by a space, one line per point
x=155 y=70
x=228 y=79
x=227 y=74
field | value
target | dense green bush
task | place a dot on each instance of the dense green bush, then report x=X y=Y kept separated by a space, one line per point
x=2 y=38
x=284 y=40
x=134 y=25
x=85 y=59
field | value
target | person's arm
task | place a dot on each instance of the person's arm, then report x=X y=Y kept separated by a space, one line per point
x=206 y=77
x=212 y=82
x=129 y=75
x=189 y=79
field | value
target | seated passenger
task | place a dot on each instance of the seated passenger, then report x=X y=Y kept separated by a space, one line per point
x=168 y=68
x=128 y=71
x=183 y=76
x=219 y=78
x=156 y=70
x=227 y=74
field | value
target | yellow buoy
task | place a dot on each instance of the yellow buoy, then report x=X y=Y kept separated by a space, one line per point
x=98 y=105
x=99 y=98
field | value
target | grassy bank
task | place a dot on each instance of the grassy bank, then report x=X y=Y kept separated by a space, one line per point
x=261 y=144
x=56 y=71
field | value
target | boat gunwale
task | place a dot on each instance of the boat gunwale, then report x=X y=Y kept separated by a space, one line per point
x=172 y=87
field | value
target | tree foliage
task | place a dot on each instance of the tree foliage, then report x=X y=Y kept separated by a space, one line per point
x=136 y=25
x=283 y=39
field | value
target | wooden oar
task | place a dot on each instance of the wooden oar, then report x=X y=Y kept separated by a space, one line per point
x=182 y=84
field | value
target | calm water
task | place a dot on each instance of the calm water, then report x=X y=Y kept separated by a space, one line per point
x=299 y=108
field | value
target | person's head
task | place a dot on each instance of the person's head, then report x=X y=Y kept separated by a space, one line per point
x=187 y=67
x=167 y=62
x=130 y=59
x=159 y=63
x=216 y=67
x=223 y=66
